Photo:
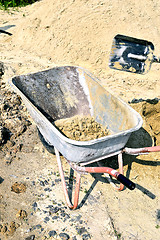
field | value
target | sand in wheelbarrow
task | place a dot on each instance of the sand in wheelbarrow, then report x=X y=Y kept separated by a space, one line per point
x=81 y=128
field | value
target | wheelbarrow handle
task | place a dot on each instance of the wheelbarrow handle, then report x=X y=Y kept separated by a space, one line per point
x=125 y=181
x=120 y=177
x=153 y=149
x=2 y=31
x=156 y=59
x=138 y=151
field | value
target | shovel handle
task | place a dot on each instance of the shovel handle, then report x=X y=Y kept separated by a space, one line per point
x=156 y=59
x=125 y=181
x=2 y=31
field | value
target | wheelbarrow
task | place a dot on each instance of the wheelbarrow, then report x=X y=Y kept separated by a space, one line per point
x=66 y=91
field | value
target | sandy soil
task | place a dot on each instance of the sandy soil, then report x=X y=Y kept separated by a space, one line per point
x=76 y=32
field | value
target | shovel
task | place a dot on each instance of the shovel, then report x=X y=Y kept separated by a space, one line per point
x=132 y=54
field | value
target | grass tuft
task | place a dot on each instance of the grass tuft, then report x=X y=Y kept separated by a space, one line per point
x=5 y=4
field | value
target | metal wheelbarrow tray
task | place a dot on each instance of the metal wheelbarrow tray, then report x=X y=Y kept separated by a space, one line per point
x=66 y=91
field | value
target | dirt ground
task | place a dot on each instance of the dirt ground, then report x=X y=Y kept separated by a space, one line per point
x=80 y=33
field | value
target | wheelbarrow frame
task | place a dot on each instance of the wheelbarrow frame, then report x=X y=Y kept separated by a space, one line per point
x=79 y=154
x=82 y=169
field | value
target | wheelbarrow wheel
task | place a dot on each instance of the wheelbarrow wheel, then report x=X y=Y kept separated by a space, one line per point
x=49 y=148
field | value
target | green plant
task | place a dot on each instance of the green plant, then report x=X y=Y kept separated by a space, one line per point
x=5 y=4
x=85 y=191
x=118 y=235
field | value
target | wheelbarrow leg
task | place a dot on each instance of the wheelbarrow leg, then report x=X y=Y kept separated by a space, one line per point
x=77 y=187
x=120 y=163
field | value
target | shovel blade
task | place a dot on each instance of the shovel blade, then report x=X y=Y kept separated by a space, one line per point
x=131 y=54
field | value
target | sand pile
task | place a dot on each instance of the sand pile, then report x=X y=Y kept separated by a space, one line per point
x=80 y=32
x=151 y=116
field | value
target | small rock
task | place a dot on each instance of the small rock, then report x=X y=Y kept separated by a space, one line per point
x=57 y=180
x=32 y=237
x=47 y=189
x=45 y=212
x=64 y=236
x=33 y=183
x=64 y=215
x=46 y=219
x=42 y=183
x=34 y=205
x=1 y=180
x=52 y=233
x=46 y=182
x=49 y=206
x=18 y=187
x=12 y=227
x=22 y=214
x=80 y=231
x=1 y=69
x=8 y=156
x=54 y=209
x=86 y=236
x=48 y=86
x=38 y=226
x=5 y=107
x=2 y=135
x=28 y=230
x=15 y=100
x=55 y=217
x=21 y=130
x=18 y=148
x=74 y=238
x=53 y=184
x=10 y=144
x=3 y=228
x=12 y=175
